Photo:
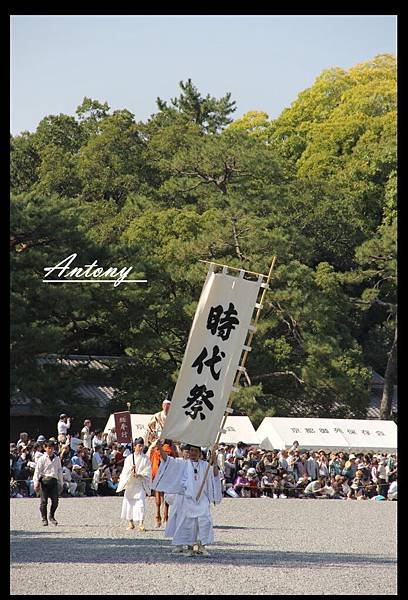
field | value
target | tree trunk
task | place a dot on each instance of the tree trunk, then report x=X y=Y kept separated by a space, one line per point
x=388 y=390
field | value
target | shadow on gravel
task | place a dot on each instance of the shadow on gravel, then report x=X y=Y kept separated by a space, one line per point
x=30 y=549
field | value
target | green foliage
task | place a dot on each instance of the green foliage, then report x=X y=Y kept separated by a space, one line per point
x=209 y=113
x=317 y=187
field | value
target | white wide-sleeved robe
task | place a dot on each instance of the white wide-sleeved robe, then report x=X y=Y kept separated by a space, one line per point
x=136 y=486
x=190 y=521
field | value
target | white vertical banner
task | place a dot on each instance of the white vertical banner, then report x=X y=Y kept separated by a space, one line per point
x=211 y=358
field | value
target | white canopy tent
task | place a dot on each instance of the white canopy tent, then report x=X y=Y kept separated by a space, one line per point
x=238 y=429
x=357 y=435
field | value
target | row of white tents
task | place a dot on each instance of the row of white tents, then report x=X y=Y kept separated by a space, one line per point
x=314 y=434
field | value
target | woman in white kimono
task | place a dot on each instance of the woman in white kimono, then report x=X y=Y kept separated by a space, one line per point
x=136 y=480
x=191 y=523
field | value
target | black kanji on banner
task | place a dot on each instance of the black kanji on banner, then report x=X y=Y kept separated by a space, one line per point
x=199 y=395
x=222 y=321
x=216 y=357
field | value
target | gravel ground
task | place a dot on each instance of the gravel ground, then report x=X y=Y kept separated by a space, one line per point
x=262 y=547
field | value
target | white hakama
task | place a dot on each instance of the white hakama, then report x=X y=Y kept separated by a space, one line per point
x=136 y=487
x=190 y=520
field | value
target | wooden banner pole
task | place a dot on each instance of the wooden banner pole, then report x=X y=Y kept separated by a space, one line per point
x=241 y=367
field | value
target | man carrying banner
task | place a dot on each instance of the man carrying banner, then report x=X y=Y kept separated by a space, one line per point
x=193 y=523
x=135 y=479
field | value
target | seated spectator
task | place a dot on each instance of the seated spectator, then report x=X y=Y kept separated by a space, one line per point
x=315 y=487
x=267 y=483
x=393 y=489
x=69 y=486
x=289 y=485
x=336 y=484
x=277 y=488
x=241 y=482
x=253 y=482
x=105 y=476
x=77 y=477
x=119 y=457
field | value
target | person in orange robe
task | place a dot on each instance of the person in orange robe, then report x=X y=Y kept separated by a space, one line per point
x=154 y=453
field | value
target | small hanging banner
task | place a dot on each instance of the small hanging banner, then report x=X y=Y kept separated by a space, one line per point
x=123 y=427
x=211 y=359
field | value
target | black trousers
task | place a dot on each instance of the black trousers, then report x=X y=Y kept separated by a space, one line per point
x=48 y=490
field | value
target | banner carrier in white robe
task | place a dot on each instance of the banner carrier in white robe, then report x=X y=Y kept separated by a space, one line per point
x=193 y=519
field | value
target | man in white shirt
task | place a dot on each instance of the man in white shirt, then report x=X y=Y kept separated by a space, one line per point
x=97 y=439
x=86 y=434
x=23 y=440
x=111 y=437
x=63 y=425
x=48 y=480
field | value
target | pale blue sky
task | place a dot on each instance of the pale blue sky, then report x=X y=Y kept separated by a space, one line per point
x=127 y=61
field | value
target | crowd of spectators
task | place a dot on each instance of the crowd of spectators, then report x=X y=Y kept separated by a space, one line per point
x=248 y=471
x=92 y=462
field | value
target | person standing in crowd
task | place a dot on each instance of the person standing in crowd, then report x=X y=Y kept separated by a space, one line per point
x=48 y=480
x=136 y=480
x=38 y=451
x=111 y=436
x=229 y=469
x=334 y=464
x=97 y=439
x=382 y=484
x=63 y=425
x=156 y=424
x=350 y=467
x=23 y=439
x=283 y=459
x=97 y=457
x=239 y=454
x=194 y=526
x=322 y=464
x=312 y=467
x=86 y=434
